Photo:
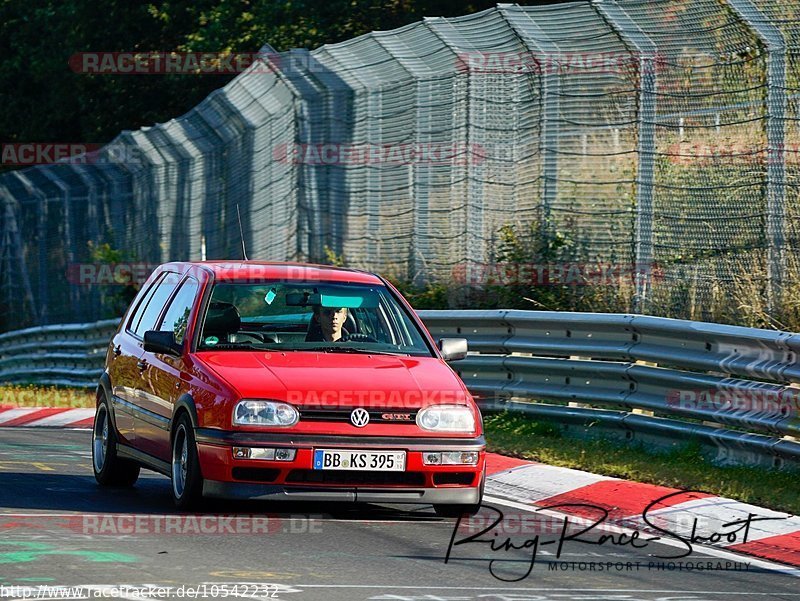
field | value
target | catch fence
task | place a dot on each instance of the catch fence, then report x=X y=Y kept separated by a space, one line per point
x=657 y=136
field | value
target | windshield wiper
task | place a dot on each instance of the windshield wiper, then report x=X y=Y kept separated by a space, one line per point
x=350 y=349
x=235 y=346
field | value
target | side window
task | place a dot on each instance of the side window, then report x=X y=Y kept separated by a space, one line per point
x=137 y=314
x=177 y=315
x=157 y=301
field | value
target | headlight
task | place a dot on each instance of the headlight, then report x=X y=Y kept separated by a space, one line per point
x=264 y=413
x=446 y=418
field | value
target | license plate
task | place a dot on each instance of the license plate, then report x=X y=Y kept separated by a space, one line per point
x=373 y=461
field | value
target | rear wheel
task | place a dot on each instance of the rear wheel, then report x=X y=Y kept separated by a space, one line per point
x=109 y=468
x=187 y=482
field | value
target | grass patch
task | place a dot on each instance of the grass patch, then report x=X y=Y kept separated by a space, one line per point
x=685 y=468
x=32 y=395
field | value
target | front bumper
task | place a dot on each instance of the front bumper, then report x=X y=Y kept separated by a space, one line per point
x=226 y=477
x=240 y=490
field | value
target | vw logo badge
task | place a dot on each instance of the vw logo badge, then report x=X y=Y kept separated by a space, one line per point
x=359 y=417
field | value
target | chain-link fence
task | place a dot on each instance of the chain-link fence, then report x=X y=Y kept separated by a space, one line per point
x=660 y=137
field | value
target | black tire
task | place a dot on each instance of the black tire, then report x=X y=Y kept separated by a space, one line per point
x=187 y=481
x=455 y=511
x=109 y=469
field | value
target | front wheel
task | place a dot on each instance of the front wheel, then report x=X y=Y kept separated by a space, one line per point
x=109 y=469
x=456 y=511
x=187 y=482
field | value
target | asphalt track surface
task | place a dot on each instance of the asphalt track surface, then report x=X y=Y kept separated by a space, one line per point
x=59 y=529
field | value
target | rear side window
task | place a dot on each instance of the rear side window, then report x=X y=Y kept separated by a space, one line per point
x=155 y=304
x=137 y=314
x=177 y=316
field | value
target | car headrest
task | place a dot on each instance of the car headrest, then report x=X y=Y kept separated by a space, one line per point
x=350 y=323
x=222 y=318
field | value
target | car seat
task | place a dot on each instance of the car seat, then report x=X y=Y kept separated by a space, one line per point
x=222 y=321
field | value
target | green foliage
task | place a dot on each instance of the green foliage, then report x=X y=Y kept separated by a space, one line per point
x=536 y=266
x=433 y=295
x=103 y=253
x=45 y=101
x=114 y=298
x=331 y=258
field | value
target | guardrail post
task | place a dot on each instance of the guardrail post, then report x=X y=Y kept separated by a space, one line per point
x=775 y=45
x=647 y=52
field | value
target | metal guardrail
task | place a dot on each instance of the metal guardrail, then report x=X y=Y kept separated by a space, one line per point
x=729 y=386
x=60 y=355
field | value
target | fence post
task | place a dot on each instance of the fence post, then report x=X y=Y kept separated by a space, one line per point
x=548 y=52
x=647 y=53
x=11 y=252
x=775 y=45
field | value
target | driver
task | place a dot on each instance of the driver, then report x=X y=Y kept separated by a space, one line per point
x=331 y=322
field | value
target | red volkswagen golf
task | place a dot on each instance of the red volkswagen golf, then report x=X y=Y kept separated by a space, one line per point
x=282 y=381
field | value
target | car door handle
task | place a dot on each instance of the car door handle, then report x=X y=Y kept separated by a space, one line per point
x=117 y=350
x=141 y=364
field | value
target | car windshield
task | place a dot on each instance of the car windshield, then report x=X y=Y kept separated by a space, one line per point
x=325 y=317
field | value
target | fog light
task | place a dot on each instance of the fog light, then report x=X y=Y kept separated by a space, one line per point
x=241 y=452
x=451 y=458
x=284 y=454
x=432 y=458
x=469 y=458
x=264 y=454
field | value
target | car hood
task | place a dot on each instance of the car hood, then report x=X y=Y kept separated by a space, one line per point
x=337 y=379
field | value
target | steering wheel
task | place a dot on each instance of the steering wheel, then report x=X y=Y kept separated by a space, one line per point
x=262 y=337
x=357 y=337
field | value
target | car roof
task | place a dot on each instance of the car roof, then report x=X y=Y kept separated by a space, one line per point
x=254 y=271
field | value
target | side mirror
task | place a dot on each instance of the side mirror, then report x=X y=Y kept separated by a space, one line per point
x=453 y=349
x=161 y=342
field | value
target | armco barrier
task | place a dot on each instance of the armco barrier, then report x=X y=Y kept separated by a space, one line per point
x=729 y=386
x=65 y=354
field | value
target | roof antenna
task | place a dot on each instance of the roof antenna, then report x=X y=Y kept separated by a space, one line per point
x=241 y=232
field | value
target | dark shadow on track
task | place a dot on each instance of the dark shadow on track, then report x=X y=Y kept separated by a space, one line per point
x=20 y=491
